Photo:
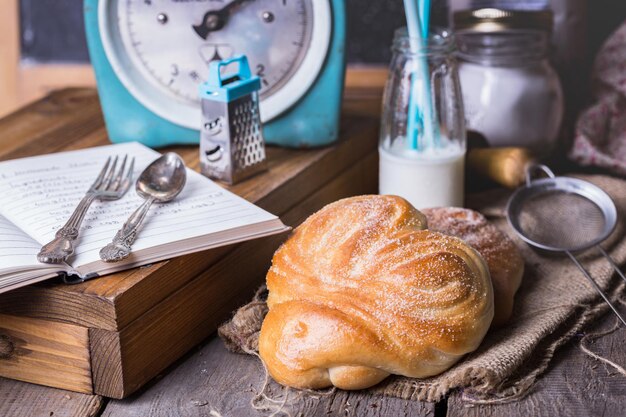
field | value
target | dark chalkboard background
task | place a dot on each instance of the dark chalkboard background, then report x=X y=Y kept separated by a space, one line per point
x=53 y=30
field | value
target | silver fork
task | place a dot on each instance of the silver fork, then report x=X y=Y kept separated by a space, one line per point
x=110 y=185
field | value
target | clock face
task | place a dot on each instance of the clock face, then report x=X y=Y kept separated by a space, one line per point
x=161 y=49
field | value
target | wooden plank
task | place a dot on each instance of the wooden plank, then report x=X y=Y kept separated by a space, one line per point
x=167 y=331
x=32 y=350
x=37 y=80
x=364 y=77
x=9 y=55
x=51 y=124
x=575 y=385
x=22 y=84
x=215 y=382
x=114 y=301
x=19 y=399
x=366 y=83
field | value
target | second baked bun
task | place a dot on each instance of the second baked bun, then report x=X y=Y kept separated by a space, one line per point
x=361 y=291
x=503 y=258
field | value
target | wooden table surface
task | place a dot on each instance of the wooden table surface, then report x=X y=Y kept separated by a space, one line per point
x=210 y=381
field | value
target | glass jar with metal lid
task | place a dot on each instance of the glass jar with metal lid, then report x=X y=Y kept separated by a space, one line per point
x=512 y=95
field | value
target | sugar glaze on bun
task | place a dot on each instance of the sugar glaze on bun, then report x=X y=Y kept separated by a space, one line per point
x=362 y=290
x=506 y=265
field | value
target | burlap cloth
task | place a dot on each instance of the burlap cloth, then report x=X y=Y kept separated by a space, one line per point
x=554 y=303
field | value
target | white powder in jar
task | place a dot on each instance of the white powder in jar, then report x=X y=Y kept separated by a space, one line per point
x=513 y=105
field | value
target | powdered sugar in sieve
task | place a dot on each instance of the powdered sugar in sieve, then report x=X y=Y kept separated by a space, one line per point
x=562 y=214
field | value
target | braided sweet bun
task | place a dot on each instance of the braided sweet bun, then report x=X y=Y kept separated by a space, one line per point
x=506 y=265
x=361 y=291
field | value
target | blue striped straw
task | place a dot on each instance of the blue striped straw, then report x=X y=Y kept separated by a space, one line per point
x=420 y=119
x=424 y=10
x=414 y=116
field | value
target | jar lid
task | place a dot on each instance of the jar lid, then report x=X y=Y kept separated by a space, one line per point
x=499 y=20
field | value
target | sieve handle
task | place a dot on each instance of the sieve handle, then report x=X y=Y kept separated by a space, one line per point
x=596 y=286
x=612 y=262
x=535 y=167
x=506 y=166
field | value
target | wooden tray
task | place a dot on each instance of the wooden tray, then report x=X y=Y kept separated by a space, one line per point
x=111 y=335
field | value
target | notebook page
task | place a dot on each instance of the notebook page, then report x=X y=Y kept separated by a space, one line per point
x=17 y=249
x=41 y=193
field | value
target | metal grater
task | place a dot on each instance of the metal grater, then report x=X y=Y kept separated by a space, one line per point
x=231 y=140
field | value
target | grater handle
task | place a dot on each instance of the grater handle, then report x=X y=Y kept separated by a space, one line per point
x=243 y=72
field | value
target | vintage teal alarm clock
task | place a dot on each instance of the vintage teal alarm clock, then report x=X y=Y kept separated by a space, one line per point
x=149 y=57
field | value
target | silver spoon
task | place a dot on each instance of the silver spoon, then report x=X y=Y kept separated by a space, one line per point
x=160 y=182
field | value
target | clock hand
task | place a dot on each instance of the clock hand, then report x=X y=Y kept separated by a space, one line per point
x=214 y=20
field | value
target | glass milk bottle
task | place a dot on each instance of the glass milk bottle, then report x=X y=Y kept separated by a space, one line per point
x=422 y=139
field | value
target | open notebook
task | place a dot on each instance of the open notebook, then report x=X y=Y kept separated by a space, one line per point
x=38 y=195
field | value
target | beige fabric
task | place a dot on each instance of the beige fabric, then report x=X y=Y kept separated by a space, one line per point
x=554 y=303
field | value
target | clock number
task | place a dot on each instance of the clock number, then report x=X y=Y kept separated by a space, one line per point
x=174 y=70
x=260 y=71
x=284 y=2
x=148 y=2
x=194 y=75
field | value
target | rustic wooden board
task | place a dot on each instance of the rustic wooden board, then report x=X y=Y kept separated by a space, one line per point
x=51 y=124
x=20 y=399
x=214 y=382
x=32 y=350
x=212 y=379
x=576 y=385
x=114 y=301
x=183 y=319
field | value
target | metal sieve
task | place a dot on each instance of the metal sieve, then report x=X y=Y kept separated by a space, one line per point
x=564 y=215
